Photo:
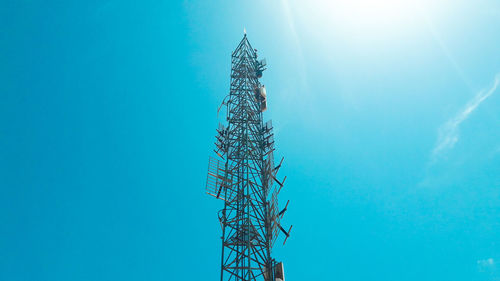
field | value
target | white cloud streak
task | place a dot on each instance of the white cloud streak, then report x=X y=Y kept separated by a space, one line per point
x=448 y=134
x=486 y=262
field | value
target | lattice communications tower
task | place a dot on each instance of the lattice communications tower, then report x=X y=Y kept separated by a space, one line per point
x=244 y=176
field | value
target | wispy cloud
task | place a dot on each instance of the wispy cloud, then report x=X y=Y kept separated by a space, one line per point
x=489 y=267
x=448 y=134
x=486 y=262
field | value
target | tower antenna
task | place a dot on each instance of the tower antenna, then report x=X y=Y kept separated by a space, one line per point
x=244 y=176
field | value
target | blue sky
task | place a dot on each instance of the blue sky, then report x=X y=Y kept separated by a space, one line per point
x=387 y=114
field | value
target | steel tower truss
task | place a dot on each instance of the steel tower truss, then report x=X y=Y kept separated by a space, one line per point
x=244 y=176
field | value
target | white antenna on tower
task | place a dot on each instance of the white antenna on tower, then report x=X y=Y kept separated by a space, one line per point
x=244 y=30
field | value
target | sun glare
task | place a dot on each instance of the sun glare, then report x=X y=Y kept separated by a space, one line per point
x=382 y=16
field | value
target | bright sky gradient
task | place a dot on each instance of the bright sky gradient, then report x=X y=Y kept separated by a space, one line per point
x=387 y=113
